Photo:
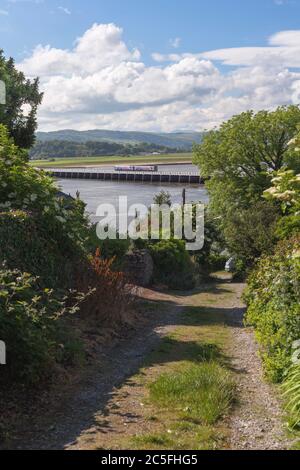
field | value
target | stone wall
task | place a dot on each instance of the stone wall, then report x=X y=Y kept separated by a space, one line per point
x=138 y=265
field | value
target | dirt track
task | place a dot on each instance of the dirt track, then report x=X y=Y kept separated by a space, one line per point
x=105 y=405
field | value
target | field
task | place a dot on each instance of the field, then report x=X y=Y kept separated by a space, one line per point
x=98 y=161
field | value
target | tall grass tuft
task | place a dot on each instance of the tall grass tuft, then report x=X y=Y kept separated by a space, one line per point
x=201 y=392
x=291 y=392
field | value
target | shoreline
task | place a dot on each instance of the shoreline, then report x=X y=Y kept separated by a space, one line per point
x=95 y=162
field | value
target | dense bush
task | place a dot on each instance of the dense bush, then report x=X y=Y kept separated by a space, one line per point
x=31 y=325
x=251 y=232
x=25 y=188
x=27 y=245
x=47 y=235
x=272 y=296
x=172 y=264
x=109 y=249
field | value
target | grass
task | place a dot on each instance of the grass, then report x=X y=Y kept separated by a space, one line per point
x=291 y=394
x=113 y=160
x=201 y=392
x=183 y=436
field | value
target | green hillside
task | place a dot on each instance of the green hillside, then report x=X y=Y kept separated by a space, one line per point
x=184 y=140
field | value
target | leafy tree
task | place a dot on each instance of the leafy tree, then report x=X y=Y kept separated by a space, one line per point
x=22 y=100
x=293 y=158
x=239 y=157
x=163 y=198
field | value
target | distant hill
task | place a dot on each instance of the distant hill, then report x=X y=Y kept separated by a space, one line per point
x=65 y=148
x=177 y=140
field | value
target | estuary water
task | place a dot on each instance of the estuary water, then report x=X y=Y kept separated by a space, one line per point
x=94 y=192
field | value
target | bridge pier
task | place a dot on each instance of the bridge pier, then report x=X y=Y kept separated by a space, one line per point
x=145 y=177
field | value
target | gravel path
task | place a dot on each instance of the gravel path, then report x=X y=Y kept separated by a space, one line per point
x=256 y=422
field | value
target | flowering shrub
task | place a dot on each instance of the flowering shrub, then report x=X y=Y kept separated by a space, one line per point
x=272 y=296
x=286 y=190
x=25 y=188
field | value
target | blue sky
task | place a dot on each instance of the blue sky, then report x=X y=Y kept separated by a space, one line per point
x=166 y=44
x=147 y=24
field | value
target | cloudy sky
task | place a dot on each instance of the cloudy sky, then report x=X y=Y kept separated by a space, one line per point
x=159 y=65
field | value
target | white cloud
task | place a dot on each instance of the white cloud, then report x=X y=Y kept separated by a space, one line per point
x=283 y=50
x=101 y=82
x=65 y=10
x=175 y=42
x=99 y=47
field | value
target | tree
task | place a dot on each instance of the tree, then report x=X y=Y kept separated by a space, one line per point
x=240 y=156
x=293 y=158
x=251 y=232
x=163 y=198
x=240 y=159
x=22 y=100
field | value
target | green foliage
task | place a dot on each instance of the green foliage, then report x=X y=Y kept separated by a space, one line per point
x=26 y=244
x=173 y=265
x=291 y=388
x=272 y=296
x=239 y=159
x=286 y=192
x=237 y=155
x=292 y=162
x=31 y=327
x=109 y=249
x=210 y=256
x=249 y=233
x=25 y=188
x=20 y=92
x=41 y=233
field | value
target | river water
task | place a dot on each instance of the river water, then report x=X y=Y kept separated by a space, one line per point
x=94 y=192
